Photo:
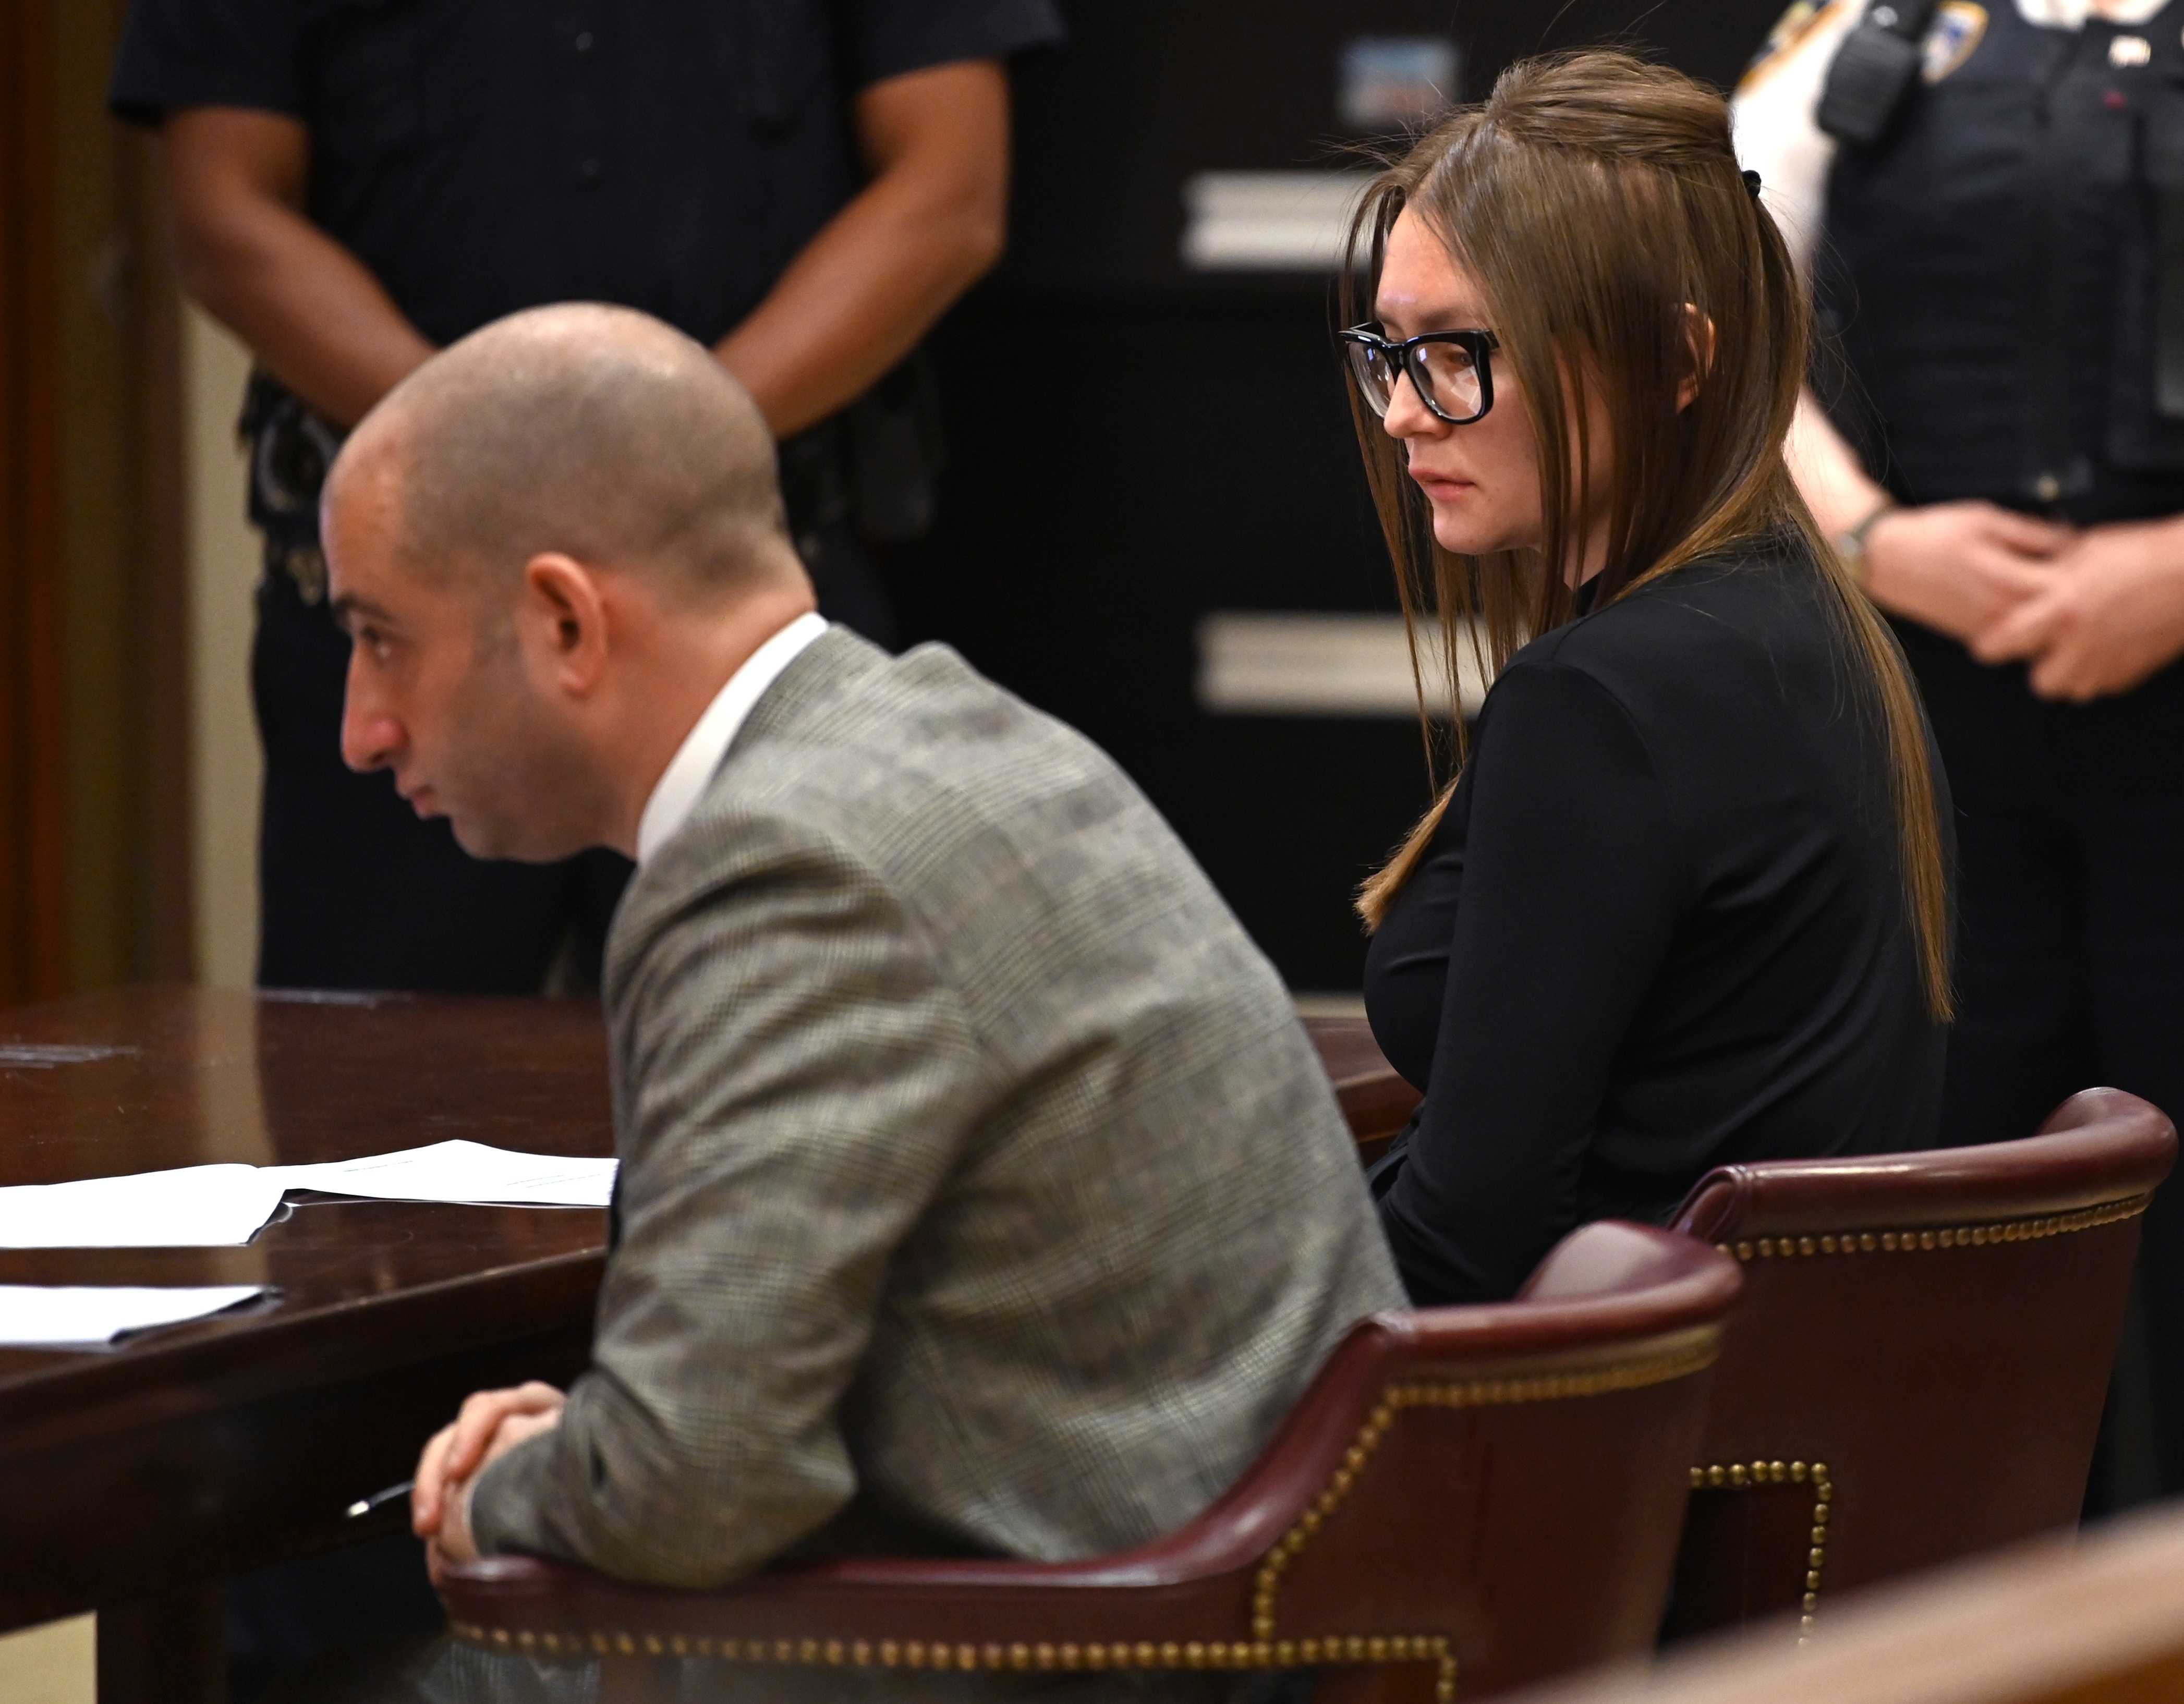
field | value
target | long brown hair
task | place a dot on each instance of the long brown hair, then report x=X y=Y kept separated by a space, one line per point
x=1597 y=201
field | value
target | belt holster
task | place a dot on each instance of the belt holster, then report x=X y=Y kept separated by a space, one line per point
x=291 y=448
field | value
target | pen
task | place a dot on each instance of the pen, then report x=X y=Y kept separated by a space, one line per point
x=365 y=1506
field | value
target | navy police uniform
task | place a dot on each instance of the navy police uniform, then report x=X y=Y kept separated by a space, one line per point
x=1999 y=275
x=484 y=156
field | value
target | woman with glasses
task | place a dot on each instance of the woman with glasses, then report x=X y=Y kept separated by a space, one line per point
x=1684 y=901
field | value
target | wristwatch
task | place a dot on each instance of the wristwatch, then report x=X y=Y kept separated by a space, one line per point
x=1851 y=545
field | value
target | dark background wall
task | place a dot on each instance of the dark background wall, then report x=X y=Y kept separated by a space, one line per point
x=1132 y=445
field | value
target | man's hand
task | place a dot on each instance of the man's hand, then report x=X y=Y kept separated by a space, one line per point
x=1960 y=568
x=491 y=1424
x=2110 y=613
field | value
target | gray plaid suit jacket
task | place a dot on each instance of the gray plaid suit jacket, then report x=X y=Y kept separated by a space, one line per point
x=979 y=1190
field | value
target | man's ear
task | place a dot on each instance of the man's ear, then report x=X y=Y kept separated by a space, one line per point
x=561 y=622
x=1699 y=347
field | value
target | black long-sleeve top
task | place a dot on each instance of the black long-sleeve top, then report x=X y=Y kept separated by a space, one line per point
x=1661 y=926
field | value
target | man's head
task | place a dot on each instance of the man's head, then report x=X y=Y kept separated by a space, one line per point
x=549 y=545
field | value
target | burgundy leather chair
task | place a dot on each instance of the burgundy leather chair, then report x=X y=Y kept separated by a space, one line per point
x=1917 y=1370
x=1490 y=1493
x=1375 y=1101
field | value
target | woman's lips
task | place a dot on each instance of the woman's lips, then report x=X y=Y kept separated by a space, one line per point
x=1441 y=485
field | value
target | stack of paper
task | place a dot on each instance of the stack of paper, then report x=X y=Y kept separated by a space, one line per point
x=466 y=1171
x=194 y=1207
x=79 y=1317
x=207 y=1206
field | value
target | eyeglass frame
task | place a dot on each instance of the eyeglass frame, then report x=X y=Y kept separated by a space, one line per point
x=1405 y=359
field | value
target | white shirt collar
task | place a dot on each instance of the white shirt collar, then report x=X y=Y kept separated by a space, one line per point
x=680 y=784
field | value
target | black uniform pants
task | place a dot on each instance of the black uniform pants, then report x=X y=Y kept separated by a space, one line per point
x=2071 y=928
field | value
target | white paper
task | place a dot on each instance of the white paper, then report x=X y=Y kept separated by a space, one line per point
x=196 y=1207
x=218 y=1206
x=461 y=1172
x=73 y=1314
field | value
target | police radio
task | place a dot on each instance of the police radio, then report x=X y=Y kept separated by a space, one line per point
x=1874 y=70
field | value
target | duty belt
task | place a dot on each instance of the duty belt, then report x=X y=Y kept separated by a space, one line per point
x=873 y=464
x=291 y=448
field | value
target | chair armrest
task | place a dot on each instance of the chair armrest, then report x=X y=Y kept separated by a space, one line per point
x=531 y=1602
x=1637 y=1309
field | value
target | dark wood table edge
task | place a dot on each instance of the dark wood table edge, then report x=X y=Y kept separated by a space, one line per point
x=221 y=1363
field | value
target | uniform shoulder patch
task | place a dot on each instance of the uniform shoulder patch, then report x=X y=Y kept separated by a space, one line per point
x=1790 y=29
x=1953 y=37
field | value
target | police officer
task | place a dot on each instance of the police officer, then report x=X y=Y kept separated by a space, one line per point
x=803 y=185
x=1991 y=201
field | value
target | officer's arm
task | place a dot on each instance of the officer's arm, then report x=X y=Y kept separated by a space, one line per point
x=1959 y=568
x=863 y=290
x=310 y=312
x=1830 y=478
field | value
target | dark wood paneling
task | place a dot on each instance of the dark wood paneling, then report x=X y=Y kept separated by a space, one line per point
x=94 y=725
x=124 y=539
x=33 y=941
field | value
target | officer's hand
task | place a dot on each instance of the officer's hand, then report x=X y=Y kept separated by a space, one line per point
x=1959 y=567
x=2112 y=614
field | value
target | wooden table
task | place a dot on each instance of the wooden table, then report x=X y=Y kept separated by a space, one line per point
x=1376 y=1101
x=133 y=1482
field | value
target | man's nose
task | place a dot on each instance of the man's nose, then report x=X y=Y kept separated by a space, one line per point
x=370 y=737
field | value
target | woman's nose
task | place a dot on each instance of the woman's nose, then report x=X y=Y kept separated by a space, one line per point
x=1407 y=415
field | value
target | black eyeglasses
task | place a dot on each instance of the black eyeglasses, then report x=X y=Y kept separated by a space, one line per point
x=1450 y=371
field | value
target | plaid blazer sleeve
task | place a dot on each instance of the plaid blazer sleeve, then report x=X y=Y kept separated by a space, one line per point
x=796 y=1077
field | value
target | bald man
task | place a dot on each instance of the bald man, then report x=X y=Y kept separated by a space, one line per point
x=980 y=1191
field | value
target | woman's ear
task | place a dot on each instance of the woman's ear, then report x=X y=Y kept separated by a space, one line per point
x=1698 y=351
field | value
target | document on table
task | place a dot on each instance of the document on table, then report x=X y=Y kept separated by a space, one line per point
x=90 y=1316
x=461 y=1172
x=195 y=1206
x=209 y=1207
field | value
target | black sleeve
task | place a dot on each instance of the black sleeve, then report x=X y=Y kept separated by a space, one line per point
x=1572 y=882
x=210 y=54
x=887 y=38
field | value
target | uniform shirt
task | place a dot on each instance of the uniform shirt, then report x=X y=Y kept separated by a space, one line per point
x=484 y=156
x=1778 y=133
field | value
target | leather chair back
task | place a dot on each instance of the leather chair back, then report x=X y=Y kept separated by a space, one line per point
x=1484 y=1494
x=1918 y=1367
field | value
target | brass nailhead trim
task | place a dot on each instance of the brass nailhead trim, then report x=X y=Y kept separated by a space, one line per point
x=1476 y=1393
x=1044 y=1654
x=1263 y=1650
x=1940 y=1237
x=1737 y=1476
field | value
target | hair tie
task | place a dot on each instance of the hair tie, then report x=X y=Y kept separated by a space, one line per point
x=1752 y=184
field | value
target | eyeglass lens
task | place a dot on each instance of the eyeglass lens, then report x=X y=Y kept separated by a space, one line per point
x=1447 y=377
